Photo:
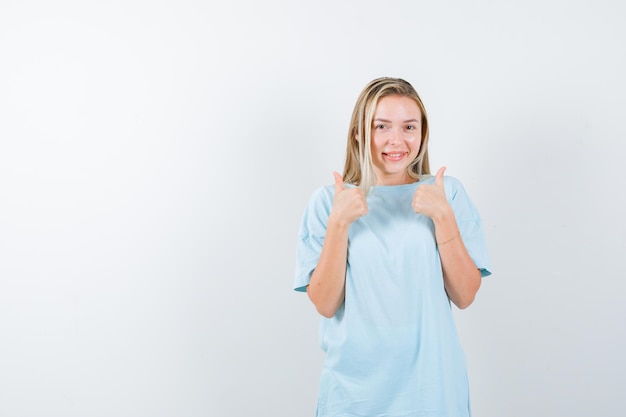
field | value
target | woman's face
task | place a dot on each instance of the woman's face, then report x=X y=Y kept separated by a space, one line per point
x=396 y=138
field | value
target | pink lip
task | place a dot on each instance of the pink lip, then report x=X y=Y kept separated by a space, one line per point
x=395 y=156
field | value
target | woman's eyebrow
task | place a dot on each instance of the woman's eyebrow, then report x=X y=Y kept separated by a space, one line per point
x=389 y=121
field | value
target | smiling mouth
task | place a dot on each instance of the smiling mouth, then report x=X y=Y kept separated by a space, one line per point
x=395 y=156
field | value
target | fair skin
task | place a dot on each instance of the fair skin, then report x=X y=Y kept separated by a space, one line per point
x=396 y=138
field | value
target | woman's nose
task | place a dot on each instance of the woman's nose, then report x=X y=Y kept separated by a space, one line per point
x=394 y=136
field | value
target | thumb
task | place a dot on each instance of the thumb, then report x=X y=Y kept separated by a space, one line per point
x=338 y=182
x=439 y=176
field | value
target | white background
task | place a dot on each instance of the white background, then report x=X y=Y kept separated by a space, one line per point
x=156 y=157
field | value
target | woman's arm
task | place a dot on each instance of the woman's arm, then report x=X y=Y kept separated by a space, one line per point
x=460 y=275
x=327 y=286
x=461 y=278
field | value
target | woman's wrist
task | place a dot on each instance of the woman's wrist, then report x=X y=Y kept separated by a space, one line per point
x=336 y=224
x=444 y=216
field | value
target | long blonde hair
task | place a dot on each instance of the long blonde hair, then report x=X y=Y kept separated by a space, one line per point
x=359 y=169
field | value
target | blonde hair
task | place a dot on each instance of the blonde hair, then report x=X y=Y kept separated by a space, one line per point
x=359 y=169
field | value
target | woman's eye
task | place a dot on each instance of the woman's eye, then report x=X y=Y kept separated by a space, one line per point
x=381 y=126
x=411 y=127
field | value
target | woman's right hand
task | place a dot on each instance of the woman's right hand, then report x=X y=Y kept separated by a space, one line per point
x=349 y=203
x=327 y=286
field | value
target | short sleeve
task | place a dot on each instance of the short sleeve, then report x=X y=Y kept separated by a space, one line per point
x=311 y=236
x=470 y=224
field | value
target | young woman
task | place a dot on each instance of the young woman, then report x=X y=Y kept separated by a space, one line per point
x=381 y=254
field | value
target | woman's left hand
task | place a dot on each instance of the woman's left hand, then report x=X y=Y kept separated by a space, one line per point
x=430 y=199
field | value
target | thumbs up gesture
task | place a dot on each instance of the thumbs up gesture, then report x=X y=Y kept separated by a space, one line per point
x=349 y=203
x=430 y=199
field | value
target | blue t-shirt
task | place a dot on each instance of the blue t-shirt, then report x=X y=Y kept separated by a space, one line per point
x=392 y=347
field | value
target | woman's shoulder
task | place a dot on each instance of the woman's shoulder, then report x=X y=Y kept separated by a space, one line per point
x=317 y=211
x=453 y=182
x=453 y=186
x=322 y=197
x=323 y=193
x=448 y=181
